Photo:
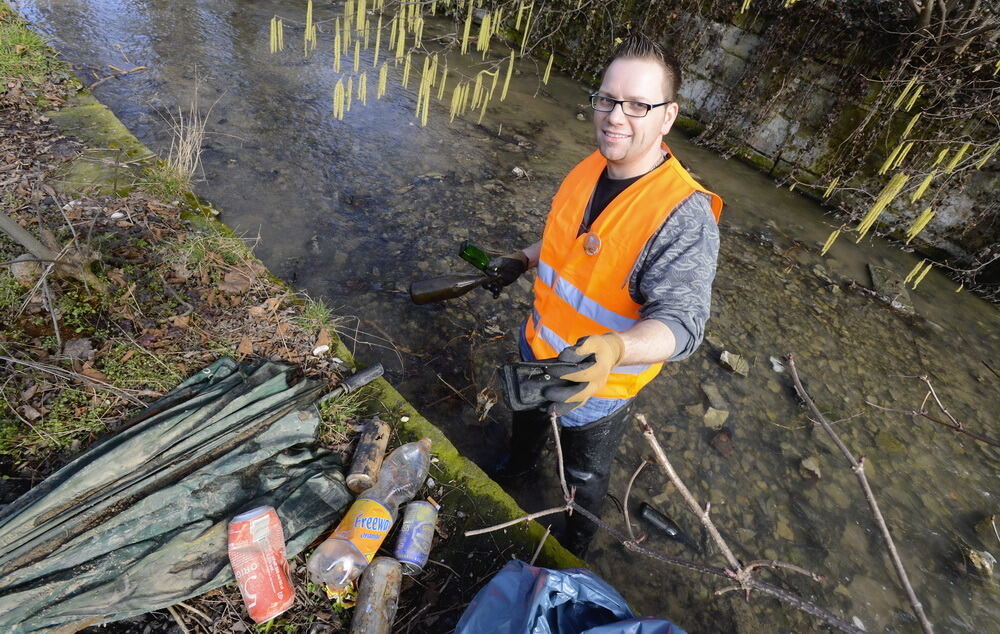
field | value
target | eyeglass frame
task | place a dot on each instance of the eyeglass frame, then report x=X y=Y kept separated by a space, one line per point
x=621 y=103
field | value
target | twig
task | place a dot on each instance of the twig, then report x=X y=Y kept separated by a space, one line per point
x=559 y=455
x=195 y=610
x=65 y=374
x=774 y=563
x=525 y=518
x=177 y=618
x=702 y=514
x=119 y=74
x=548 y=530
x=954 y=425
x=859 y=470
x=628 y=491
x=783 y=595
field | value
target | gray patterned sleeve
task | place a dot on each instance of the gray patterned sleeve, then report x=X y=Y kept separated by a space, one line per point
x=673 y=278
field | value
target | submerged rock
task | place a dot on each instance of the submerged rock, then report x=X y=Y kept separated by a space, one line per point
x=988 y=529
x=722 y=441
x=715 y=418
x=982 y=561
x=734 y=362
x=809 y=468
x=714 y=396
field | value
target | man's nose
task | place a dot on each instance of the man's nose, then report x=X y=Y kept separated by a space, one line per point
x=617 y=114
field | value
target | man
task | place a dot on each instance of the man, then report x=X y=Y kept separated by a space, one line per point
x=625 y=268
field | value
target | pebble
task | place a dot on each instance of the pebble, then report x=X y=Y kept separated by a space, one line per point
x=320 y=350
x=809 y=468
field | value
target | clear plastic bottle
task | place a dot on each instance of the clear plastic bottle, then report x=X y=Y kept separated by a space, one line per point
x=346 y=552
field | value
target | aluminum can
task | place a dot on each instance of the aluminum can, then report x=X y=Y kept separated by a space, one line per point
x=415 y=536
x=257 y=554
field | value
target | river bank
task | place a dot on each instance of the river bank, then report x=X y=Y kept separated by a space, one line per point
x=180 y=290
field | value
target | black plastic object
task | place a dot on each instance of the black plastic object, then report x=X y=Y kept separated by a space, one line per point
x=522 y=598
x=138 y=521
x=524 y=382
x=666 y=526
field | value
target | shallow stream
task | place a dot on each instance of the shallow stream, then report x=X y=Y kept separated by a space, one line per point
x=351 y=211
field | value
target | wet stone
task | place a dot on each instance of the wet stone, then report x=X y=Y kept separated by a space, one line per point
x=715 y=418
x=714 y=396
x=784 y=531
x=809 y=468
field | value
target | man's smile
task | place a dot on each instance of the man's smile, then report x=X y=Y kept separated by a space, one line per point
x=616 y=135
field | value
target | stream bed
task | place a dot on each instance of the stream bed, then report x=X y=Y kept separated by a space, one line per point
x=352 y=210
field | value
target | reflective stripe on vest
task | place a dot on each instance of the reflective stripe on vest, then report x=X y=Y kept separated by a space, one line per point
x=579 y=294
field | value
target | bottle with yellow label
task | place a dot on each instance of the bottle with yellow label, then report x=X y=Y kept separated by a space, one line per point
x=352 y=545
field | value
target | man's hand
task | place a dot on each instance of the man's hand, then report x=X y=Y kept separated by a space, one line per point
x=506 y=269
x=595 y=357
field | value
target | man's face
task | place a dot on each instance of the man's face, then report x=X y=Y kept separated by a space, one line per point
x=632 y=145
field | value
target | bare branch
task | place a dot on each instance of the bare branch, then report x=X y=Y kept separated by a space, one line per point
x=859 y=470
x=668 y=469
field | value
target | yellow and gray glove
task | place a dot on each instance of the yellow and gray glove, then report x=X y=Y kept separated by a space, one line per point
x=594 y=358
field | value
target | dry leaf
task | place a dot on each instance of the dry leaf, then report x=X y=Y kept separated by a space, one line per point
x=282 y=329
x=30 y=412
x=127 y=356
x=235 y=282
x=28 y=393
x=181 y=271
x=257 y=312
x=245 y=348
x=272 y=303
x=181 y=321
x=94 y=373
x=323 y=339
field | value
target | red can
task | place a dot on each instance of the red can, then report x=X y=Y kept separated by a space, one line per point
x=257 y=554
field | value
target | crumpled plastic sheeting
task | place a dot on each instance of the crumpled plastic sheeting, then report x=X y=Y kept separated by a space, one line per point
x=523 y=599
x=139 y=521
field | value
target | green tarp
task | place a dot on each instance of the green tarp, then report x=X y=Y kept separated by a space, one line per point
x=138 y=521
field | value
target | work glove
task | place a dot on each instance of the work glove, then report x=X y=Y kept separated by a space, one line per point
x=594 y=358
x=506 y=269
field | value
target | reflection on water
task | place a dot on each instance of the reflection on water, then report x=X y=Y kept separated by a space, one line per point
x=352 y=210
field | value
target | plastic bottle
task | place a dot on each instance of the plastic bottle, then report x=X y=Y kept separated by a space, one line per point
x=352 y=545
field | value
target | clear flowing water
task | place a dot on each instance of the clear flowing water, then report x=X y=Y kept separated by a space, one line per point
x=351 y=211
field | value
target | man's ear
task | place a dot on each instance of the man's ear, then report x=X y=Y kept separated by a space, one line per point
x=672 y=109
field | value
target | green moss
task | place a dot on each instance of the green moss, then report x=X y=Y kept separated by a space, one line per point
x=689 y=125
x=79 y=313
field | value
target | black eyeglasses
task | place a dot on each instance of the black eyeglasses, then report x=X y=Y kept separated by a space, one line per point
x=636 y=109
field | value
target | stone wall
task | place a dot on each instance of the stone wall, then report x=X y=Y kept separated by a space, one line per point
x=796 y=127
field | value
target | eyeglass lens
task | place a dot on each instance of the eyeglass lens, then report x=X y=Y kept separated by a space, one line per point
x=631 y=108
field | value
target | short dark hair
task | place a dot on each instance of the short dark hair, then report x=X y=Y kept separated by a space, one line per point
x=641 y=46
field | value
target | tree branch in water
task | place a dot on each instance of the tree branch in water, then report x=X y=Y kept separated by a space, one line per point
x=858 y=466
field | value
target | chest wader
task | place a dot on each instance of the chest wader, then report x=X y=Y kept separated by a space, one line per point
x=588 y=454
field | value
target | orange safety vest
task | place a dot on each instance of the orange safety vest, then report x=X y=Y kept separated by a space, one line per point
x=581 y=287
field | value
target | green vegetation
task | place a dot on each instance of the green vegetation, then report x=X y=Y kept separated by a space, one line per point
x=23 y=53
x=74 y=414
x=129 y=366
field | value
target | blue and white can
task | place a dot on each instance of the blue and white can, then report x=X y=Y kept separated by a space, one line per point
x=415 y=536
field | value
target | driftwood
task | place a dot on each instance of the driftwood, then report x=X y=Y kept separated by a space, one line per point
x=70 y=262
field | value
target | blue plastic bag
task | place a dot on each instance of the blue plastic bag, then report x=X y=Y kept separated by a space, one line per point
x=523 y=599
